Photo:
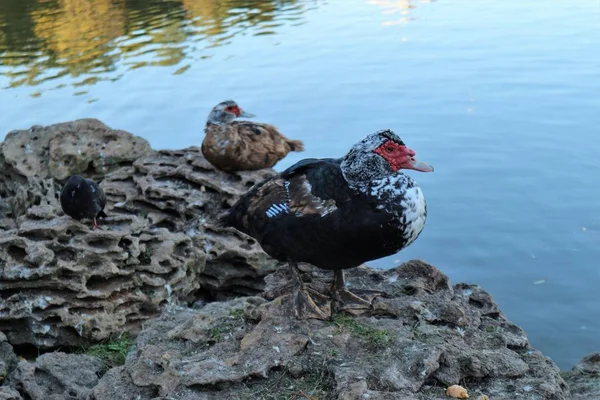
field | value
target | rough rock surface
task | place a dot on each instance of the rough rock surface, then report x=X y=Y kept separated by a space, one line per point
x=421 y=337
x=180 y=190
x=250 y=349
x=53 y=376
x=63 y=284
x=57 y=376
x=8 y=359
x=84 y=146
x=30 y=159
x=584 y=378
x=8 y=393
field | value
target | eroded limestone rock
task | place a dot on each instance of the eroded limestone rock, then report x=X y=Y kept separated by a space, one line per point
x=181 y=191
x=84 y=146
x=33 y=162
x=8 y=393
x=63 y=284
x=57 y=376
x=8 y=359
x=584 y=378
x=423 y=336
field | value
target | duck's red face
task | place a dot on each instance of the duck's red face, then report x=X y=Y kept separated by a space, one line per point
x=401 y=157
x=237 y=111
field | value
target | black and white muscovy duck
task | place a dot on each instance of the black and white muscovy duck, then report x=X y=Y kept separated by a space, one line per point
x=83 y=198
x=336 y=214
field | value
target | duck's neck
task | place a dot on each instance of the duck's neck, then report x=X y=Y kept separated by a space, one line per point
x=362 y=172
x=219 y=117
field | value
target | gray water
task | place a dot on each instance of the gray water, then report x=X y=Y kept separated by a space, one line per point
x=502 y=97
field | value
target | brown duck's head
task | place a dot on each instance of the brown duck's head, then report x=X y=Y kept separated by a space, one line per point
x=378 y=155
x=226 y=111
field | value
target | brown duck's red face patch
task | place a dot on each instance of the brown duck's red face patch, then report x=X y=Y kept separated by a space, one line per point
x=401 y=157
x=234 y=110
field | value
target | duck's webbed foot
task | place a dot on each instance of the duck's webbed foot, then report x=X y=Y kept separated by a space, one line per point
x=307 y=303
x=348 y=301
x=95 y=224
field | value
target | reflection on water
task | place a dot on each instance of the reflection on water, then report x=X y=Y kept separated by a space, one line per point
x=41 y=40
x=398 y=10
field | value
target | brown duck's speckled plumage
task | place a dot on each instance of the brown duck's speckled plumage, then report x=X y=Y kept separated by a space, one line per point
x=243 y=145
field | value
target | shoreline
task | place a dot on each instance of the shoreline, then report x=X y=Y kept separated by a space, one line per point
x=159 y=267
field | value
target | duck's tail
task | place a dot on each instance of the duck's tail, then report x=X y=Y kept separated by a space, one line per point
x=295 y=145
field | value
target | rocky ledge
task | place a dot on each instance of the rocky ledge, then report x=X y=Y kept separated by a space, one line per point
x=422 y=336
x=63 y=284
x=208 y=310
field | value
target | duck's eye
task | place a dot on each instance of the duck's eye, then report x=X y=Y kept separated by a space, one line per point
x=389 y=149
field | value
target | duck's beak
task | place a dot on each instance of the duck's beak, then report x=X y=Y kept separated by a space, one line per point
x=417 y=165
x=246 y=114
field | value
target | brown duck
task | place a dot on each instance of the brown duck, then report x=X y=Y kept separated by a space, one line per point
x=243 y=145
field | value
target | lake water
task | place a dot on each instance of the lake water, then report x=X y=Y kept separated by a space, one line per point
x=502 y=97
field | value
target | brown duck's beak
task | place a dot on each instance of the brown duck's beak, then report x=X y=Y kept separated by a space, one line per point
x=417 y=165
x=246 y=114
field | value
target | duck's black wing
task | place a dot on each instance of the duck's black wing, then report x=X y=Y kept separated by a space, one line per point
x=68 y=201
x=308 y=213
x=310 y=188
x=97 y=198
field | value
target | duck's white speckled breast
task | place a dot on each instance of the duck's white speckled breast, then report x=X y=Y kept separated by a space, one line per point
x=415 y=213
x=402 y=197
